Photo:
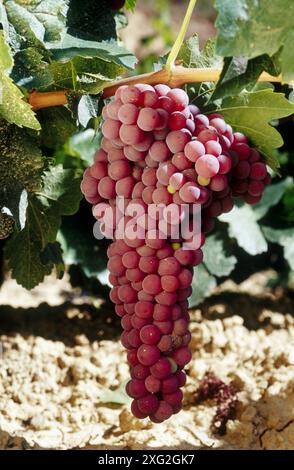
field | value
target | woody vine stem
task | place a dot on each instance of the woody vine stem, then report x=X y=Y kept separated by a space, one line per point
x=174 y=76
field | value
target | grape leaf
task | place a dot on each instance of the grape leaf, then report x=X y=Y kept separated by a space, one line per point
x=57 y=126
x=87 y=109
x=23 y=249
x=109 y=51
x=12 y=106
x=61 y=191
x=215 y=258
x=244 y=227
x=191 y=56
x=240 y=73
x=250 y=113
x=14 y=202
x=285 y=238
x=81 y=248
x=243 y=220
x=271 y=196
x=202 y=285
x=21 y=160
x=93 y=20
x=83 y=145
x=249 y=28
x=130 y=5
x=37 y=23
x=28 y=254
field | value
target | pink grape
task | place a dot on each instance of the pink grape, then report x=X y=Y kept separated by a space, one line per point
x=159 y=151
x=179 y=98
x=131 y=94
x=189 y=192
x=218 y=183
x=163 y=412
x=169 y=266
x=176 y=140
x=111 y=128
x=148 y=354
x=148 y=119
x=151 y=284
x=255 y=188
x=169 y=283
x=176 y=121
x=148 y=404
x=144 y=309
x=152 y=384
x=149 y=264
x=207 y=166
x=161 y=369
x=150 y=334
x=258 y=171
x=131 y=134
x=128 y=113
x=136 y=388
x=164 y=172
x=180 y=161
x=194 y=150
x=182 y=356
x=119 y=169
x=169 y=385
x=136 y=411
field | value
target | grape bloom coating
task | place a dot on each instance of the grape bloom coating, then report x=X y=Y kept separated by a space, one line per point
x=162 y=165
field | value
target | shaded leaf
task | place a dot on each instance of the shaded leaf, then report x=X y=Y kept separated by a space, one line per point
x=248 y=28
x=251 y=113
x=215 y=258
x=285 y=238
x=244 y=227
x=203 y=283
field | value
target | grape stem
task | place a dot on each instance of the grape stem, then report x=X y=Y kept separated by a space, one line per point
x=179 y=76
x=181 y=36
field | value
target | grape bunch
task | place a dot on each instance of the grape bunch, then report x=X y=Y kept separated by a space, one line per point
x=158 y=152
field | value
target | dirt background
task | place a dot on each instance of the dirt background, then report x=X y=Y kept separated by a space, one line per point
x=63 y=370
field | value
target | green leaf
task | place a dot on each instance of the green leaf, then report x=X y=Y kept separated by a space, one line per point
x=14 y=202
x=81 y=248
x=28 y=254
x=21 y=160
x=250 y=113
x=285 y=238
x=61 y=191
x=239 y=74
x=38 y=22
x=191 y=55
x=23 y=249
x=271 y=196
x=203 y=283
x=93 y=20
x=12 y=106
x=130 y=5
x=87 y=109
x=108 y=51
x=244 y=227
x=83 y=145
x=58 y=125
x=215 y=258
x=52 y=254
x=251 y=28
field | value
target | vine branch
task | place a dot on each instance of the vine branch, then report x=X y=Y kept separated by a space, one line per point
x=178 y=77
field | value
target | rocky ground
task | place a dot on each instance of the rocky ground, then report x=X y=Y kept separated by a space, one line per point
x=63 y=370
